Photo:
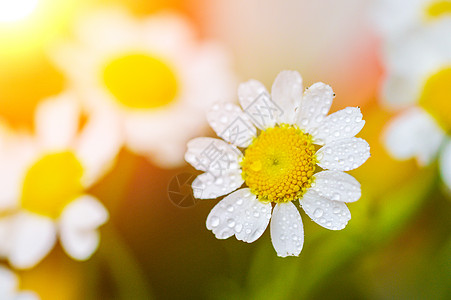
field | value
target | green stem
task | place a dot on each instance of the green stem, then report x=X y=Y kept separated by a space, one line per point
x=129 y=278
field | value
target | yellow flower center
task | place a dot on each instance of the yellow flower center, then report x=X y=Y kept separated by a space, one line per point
x=438 y=9
x=140 y=81
x=51 y=183
x=436 y=97
x=279 y=164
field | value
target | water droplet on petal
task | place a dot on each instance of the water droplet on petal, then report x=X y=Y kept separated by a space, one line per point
x=231 y=223
x=318 y=213
x=214 y=221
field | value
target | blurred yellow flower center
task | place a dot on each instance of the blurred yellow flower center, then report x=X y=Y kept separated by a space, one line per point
x=436 y=97
x=140 y=81
x=51 y=183
x=279 y=164
x=438 y=9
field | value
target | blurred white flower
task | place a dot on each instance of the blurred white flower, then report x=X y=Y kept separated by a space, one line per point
x=418 y=77
x=418 y=69
x=45 y=182
x=278 y=164
x=9 y=283
x=394 y=18
x=150 y=72
x=416 y=134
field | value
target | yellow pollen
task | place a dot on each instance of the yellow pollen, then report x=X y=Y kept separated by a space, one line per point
x=438 y=9
x=52 y=183
x=436 y=97
x=279 y=164
x=140 y=81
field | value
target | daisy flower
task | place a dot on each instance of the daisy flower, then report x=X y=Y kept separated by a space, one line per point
x=416 y=134
x=47 y=178
x=281 y=135
x=151 y=73
x=419 y=79
x=8 y=287
x=418 y=70
x=394 y=18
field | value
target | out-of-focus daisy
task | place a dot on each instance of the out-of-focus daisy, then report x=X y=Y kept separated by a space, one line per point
x=419 y=75
x=8 y=287
x=279 y=162
x=396 y=17
x=416 y=134
x=418 y=70
x=47 y=179
x=152 y=73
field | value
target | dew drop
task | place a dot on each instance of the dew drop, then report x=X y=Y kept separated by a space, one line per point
x=318 y=213
x=231 y=223
x=214 y=221
x=336 y=196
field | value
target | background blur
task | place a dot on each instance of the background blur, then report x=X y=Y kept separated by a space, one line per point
x=396 y=246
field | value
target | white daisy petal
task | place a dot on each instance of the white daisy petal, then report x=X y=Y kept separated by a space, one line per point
x=249 y=91
x=329 y=214
x=239 y=214
x=314 y=106
x=26 y=296
x=208 y=186
x=337 y=186
x=85 y=212
x=413 y=134
x=79 y=222
x=98 y=145
x=257 y=104
x=8 y=282
x=345 y=123
x=17 y=152
x=287 y=91
x=344 y=154
x=80 y=244
x=232 y=124
x=445 y=164
x=287 y=231
x=34 y=236
x=212 y=155
x=56 y=122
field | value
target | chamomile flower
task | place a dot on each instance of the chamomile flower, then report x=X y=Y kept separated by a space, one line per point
x=419 y=79
x=416 y=134
x=281 y=135
x=418 y=70
x=152 y=73
x=47 y=181
x=396 y=17
x=9 y=287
